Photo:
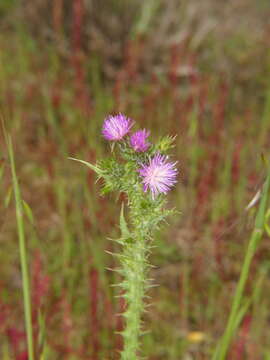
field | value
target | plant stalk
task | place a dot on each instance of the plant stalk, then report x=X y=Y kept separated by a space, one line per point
x=134 y=293
x=134 y=263
x=255 y=238
x=23 y=254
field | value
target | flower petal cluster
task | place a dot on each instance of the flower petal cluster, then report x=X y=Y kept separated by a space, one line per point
x=159 y=175
x=138 y=140
x=116 y=127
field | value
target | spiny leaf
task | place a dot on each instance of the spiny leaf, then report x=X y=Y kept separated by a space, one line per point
x=28 y=212
x=125 y=234
x=91 y=166
x=165 y=143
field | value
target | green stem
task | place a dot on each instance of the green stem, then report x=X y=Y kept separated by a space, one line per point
x=134 y=293
x=134 y=269
x=256 y=236
x=23 y=255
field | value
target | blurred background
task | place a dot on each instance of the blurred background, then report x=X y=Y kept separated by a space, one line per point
x=198 y=70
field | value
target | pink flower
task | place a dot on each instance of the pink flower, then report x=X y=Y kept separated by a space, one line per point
x=159 y=175
x=138 y=140
x=116 y=127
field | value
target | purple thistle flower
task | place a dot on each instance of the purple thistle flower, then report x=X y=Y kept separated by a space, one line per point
x=116 y=127
x=138 y=140
x=159 y=175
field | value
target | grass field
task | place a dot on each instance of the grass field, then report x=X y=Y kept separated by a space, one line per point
x=53 y=103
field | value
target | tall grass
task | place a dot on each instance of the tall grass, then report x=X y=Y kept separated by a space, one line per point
x=237 y=305
x=219 y=169
x=23 y=252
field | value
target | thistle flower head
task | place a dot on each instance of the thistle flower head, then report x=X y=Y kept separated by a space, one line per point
x=159 y=175
x=116 y=127
x=138 y=140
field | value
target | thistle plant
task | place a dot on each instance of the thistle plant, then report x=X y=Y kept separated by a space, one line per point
x=143 y=172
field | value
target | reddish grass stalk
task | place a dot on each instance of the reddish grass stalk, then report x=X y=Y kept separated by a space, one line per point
x=208 y=180
x=129 y=71
x=78 y=13
x=65 y=351
x=22 y=356
x=94 y=318
x=117 y=91
x=203 y=96
x=218 y=229
x=120 y=323
x=108 y=307
x=67 y=323
x=57 y=14
x=77 y=58
x=56 y=94
x=149 y=102
x=239 y=348
x=219 y=110
x=16 y=340
x=62 y=308
x=133 y=51
x=182 y=300
x=236 y=162
x=176 y=55
x=4 y=314
x=40 y=287
x=194 y=80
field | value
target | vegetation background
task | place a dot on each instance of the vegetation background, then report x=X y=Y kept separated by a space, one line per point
x=198 y=70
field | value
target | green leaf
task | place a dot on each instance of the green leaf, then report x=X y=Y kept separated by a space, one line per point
x=28 y=212
x=125 y=234
x=91 y=166
x=1 y=171
x=8 y=197
x=267 y=222
x=107 y=188
x=166 y=143
x=148 y=11
x=241 y=313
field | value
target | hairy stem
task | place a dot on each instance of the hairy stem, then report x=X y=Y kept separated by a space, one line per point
x=134 y=268
x=134 y=287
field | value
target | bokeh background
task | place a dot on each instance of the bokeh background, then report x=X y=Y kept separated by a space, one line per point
x=198 y=70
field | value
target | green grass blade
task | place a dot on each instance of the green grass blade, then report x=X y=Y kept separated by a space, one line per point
x=23 y=254
x=91 y=166
x=256 y=236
